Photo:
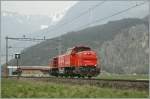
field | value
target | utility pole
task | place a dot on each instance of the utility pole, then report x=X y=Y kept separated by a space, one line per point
x=6 y=57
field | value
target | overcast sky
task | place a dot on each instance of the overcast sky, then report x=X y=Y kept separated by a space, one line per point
x=37 y=7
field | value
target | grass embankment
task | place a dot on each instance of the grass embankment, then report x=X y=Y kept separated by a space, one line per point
x=33 y=89
x=126 y=77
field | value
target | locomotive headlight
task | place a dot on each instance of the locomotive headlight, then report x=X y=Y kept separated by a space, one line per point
x=95 y=64
x=87 y=53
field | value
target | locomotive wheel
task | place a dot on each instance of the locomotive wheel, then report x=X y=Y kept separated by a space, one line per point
x=60 y=75
x=71 y=76
x=65 y=75
x=79 y=76
x=57 y=75
x=89 y=76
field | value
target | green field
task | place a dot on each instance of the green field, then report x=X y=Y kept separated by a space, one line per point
x=33 y=89
x=123 y=76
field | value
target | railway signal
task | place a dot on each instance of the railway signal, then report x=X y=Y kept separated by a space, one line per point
x=18 y=71
x=24 y=38
x=17 y=57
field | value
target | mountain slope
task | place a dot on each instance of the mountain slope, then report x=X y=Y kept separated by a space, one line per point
x=95 y=37
x=127 y=52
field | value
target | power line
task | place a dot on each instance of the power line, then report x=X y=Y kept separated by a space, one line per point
x=26 y=39
x=107 y=17
x=16 y=47
x=81 y=14
x=10 y=55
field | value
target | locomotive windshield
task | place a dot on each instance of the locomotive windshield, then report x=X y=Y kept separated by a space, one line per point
x=80 y=49
x=77 y=49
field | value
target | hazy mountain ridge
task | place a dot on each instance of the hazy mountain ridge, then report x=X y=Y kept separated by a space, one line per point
x=127 y=52
x=95 y=37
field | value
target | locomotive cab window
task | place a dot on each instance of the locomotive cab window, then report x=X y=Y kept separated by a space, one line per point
x=77 y=49
x=80 y=49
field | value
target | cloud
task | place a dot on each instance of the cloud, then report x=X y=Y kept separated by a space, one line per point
x=44 y=27
x=36 y=7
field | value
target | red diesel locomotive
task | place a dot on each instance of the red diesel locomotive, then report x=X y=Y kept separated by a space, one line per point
x=78 y=61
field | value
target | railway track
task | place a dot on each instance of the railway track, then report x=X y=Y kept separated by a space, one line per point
x=113 y=83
